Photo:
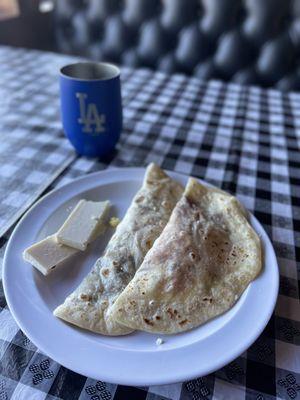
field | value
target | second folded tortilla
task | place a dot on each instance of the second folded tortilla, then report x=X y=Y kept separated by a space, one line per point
x=197 y=269
x=89 y=305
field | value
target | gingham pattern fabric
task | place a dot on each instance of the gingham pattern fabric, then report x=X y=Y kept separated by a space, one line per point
x=242 y=139
x=33 y=150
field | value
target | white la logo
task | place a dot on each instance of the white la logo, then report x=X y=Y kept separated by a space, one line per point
x=89 y=115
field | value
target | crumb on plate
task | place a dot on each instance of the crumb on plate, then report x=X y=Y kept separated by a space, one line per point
x=159 y=341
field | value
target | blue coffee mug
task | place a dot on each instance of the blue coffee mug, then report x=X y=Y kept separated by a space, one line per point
x=91 y=106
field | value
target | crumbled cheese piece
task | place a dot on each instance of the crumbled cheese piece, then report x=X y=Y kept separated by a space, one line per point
x=159 y=341
x=114 y=222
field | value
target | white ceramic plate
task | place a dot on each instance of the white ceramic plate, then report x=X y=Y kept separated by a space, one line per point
x=134 y=359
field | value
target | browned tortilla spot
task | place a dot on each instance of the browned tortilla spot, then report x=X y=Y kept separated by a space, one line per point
x=139 y=199
x=183 y=322
x=85 y=297
x=149 y=244
x=105 y=272
x=148 y=322
x=170 y=312
x=207 y=299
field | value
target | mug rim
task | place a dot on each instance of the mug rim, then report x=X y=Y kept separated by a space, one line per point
x=114 y=75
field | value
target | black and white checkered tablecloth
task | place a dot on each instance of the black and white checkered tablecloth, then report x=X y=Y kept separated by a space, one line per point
x=242 y=139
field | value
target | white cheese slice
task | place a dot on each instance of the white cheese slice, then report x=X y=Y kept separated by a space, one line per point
x=47 y=254
x=84 y=224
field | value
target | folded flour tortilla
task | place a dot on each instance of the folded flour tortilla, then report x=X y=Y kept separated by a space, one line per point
x=197 y=269
x=89 y=305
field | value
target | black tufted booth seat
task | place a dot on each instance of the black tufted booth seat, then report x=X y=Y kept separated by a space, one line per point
x=245 y=41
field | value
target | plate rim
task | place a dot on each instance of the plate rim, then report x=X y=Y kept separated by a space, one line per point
x=182 y=376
